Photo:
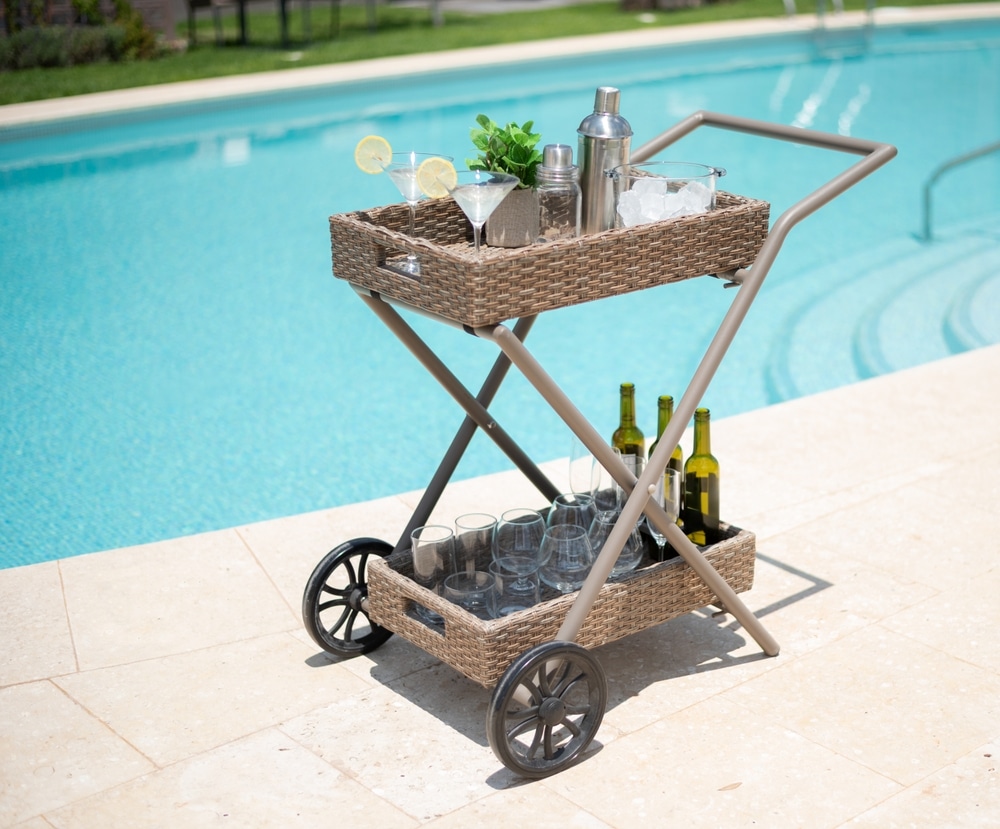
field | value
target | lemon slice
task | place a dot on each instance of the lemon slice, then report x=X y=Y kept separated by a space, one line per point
x=435 y=176
x=372 y=154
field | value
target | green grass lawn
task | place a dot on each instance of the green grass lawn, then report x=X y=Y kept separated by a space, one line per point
x=400 y=31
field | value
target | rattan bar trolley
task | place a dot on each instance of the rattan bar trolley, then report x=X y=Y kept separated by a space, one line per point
x=549 y=692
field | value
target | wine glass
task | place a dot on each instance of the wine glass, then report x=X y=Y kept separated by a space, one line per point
x=608 y=495
x=571 y=508
x=566 y=557
x=402 y=169
x=515 y=584
x=630 y=555
x=581 y=469
x=518 y=533
x=478 y=192
x=668 y=496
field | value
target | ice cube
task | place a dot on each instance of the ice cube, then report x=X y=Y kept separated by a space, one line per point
x=694 y=197
x=649 y=185
x=652 y=206
x=630 y=208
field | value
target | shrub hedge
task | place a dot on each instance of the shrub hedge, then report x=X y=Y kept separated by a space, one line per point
x=126 y=38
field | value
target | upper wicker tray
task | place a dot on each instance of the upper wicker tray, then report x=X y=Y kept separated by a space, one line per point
x=505 y=283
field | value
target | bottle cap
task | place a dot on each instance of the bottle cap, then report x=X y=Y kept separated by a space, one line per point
x=605 y=122
x=557 y=156
x=607 y=100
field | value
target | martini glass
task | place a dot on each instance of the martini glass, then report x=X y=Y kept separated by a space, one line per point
x=403 y=172
x=478 y=192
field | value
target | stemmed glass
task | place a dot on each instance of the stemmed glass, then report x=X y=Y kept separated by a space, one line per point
x=566 y=557
x=608 y=495
x=631 y=553
x=402 y=169
x=669 y=497
x=516 y=542
x=582 y=469
x=571 y=509
x=518 y=533
x=478 y=192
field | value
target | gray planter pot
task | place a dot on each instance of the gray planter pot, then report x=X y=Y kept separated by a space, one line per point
x=514 y=223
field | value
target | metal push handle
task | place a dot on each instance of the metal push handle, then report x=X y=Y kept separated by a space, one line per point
x=875 y=155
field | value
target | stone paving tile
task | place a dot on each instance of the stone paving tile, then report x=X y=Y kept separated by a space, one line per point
x=177 y=706
x=964 y=794
x=420 y=743
x=53 y=752
x=962 y=621
x=525 y=805
x=167 y=598
x=34 y=630
x=263 y=780
x=882 y=700
x=290 y=548
x=716 y=764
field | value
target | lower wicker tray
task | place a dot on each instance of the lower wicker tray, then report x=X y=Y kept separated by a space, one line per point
x=483 y=649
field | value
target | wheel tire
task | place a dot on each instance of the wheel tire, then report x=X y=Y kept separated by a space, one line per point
x=332 y=601
x=568 y=692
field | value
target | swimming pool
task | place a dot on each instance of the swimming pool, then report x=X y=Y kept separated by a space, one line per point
x=176 y=356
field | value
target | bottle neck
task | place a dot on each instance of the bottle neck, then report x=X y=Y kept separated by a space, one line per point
x=627 y=417
x=702 y=439
x=665 y=412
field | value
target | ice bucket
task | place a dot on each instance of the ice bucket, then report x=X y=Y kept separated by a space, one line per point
x=656 y=190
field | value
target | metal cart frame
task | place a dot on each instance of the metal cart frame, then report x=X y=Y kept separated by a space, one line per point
x=549 y=703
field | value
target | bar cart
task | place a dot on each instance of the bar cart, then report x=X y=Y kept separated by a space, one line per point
x=549 y=692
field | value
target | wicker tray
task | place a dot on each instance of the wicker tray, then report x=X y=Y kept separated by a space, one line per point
x=514 y=282
x=483 y=649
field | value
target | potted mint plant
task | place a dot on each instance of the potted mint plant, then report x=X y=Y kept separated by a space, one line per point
x=510 y=149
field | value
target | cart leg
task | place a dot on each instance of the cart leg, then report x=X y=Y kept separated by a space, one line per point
x=473 y=408
x=461 y=441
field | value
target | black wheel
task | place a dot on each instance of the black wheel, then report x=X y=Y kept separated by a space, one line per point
x=546 y=708
x=332 y=604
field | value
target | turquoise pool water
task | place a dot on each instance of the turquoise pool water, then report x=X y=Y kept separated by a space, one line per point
x=175 y=355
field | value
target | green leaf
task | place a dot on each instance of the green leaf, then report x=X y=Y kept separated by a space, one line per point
x=511 y=149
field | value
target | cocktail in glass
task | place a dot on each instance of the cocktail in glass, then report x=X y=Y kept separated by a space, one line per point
x=478 y=192
x=403 y=172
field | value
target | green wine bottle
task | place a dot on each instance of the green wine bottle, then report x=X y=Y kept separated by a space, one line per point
x=701 y=486
x=628 y=438
x=665 y=411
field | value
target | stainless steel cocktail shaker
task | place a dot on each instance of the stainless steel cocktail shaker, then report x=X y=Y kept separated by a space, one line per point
x=605 y=140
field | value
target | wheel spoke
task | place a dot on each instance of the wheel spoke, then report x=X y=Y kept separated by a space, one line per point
x=529 y=721
x=535 y=742
x=534 y=690
x=549 y=747
x=352 y=577
x=336 y=591
x=566 y=682
x=349 y=630
x=573 y=710
x=363 y=568
x=570 y=726
x=337 y=625
x=335 y=603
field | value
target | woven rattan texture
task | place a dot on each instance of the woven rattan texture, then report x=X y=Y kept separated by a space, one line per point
x=505 y=283
x=483 y=649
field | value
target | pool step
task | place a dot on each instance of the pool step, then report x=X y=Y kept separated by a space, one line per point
x=918 y=300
